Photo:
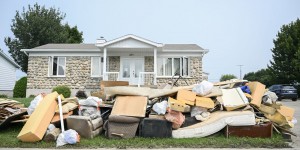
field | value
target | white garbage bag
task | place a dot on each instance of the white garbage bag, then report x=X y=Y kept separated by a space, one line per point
x=160 y=108
x=34 y=103
x=67 y=137
x=204 y=88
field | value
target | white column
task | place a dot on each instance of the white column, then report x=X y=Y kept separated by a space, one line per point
x=104 y=64
x=155 y=65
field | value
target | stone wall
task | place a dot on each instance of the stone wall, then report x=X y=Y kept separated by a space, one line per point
x=78 y=74
x=149 y=61
x=195 y=76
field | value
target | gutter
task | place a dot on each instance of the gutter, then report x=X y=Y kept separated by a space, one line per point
x=24 y=50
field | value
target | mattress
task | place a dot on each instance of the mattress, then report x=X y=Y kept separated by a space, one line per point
x=216 y=122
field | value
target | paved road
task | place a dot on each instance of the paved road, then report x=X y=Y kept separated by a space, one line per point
x=296 y=129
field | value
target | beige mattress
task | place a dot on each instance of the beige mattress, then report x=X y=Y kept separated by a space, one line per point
x=216 y=122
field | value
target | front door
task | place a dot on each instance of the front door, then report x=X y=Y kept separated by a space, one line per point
x=131 y=68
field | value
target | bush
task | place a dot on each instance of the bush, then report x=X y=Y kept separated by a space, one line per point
x=31 y=96
x=3 y=96
x=20 y=88
x=64 y=90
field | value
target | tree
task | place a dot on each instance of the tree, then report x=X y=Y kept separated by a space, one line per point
x=285 y=66
x=263 y=76
x=227 y=77
x=38 y=26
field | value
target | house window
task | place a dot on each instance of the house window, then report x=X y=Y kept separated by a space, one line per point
x=57 y=66
x=96 y=66
x=171 y=66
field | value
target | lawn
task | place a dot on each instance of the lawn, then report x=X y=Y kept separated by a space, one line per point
x=8 y=139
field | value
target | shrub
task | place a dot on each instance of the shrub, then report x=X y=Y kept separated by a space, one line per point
x=64 y=90
x=81 y=94
x=3 y=96
x=31 y=96
x=20 y=88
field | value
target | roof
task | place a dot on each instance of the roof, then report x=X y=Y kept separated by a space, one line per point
x=128 y=37
x=67 y=46
x=9 y=59
x=182 y=47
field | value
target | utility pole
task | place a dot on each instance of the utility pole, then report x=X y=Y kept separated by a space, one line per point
x=240 y=71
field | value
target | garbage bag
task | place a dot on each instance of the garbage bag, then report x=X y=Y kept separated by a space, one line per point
x=246 y=89
x=196 y=110
x=34 y=103
x=160 y=108
x=67 y=137
x=204 y=88
x=269 y=97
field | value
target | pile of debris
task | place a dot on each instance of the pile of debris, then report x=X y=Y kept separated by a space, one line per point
x=10 y=110
x=237 y=107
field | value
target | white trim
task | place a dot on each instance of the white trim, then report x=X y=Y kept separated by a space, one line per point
x=180 y=54
x=202 y=51
x=164 y=59
x=121 y=66
x=129 y=36
x=60 y=50
x=104 y=62
x=66 y=54
x=155 y=65
x=50 y=70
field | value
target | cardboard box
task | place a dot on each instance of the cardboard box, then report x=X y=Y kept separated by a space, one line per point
x=176 y=104
x=134 y=106
x=287 y=112
x=186 y=96
x=39 y=120
x=257 y=91
x=204 y=102
x=255 y=131
x=233 y=99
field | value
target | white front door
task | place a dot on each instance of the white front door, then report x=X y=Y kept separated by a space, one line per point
x=131 y=68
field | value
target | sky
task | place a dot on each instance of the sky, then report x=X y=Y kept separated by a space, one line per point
x=235 y=32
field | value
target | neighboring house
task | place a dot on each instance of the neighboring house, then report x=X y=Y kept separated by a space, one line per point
x=8 y=70
x=128 y=58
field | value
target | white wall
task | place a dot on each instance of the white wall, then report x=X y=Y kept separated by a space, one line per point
x=7 y=75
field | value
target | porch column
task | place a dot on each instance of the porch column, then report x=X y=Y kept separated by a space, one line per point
x=155 y=65
x=104 y=64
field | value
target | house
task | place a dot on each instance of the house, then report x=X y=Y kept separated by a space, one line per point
x=127 y=58
x=7 y=74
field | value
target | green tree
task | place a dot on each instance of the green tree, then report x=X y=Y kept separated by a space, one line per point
x=285 y=66
x=225 y=77
x=38 y=26
x=263 y=76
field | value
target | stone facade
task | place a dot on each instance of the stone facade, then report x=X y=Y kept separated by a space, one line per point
x=77 y=75
x=195 y=65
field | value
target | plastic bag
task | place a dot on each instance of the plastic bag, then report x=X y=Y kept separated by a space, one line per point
x=160 y=108
x=91 y=101
x=269 y=97
x=203 y=116
x=176 y=117
x=203 y=88
x=67 y=137
x=34 y=103
x=196 y=110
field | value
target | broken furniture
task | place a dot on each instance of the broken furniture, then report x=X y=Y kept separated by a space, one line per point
x=121 y=126
x=155 y=128
x=264 y=130
x=85 y=126
x=10 y=110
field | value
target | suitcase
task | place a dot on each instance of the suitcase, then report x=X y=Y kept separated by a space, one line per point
x=261 y=131
x=150 y=127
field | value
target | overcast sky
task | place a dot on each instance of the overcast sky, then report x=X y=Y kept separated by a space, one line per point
x=235 y=32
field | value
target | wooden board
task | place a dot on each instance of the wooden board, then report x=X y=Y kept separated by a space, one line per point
x=134 y=106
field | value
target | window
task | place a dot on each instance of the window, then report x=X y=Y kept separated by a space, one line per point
x=172 y=66
x=57 y=66
x=96 y=66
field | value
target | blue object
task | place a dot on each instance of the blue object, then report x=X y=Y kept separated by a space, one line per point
x=246 y=89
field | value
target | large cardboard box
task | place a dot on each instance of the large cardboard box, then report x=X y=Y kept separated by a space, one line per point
x=233 y=99
x=204 y=102
x=39 y=120
x=176 y=105
x=186 y=96
x=257 y=92
x=287 y=112
x=134 y=106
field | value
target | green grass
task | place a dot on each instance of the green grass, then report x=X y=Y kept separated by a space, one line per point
x=8 y=138
x=25 y=101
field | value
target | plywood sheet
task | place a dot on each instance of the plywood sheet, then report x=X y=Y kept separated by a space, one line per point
x=134 y=106
x=204 y=102
x=257 y=92
x=39 y=120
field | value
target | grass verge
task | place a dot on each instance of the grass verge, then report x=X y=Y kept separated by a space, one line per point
x=25 y=101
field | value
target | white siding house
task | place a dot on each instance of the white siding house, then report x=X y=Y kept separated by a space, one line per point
x=7 y=74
